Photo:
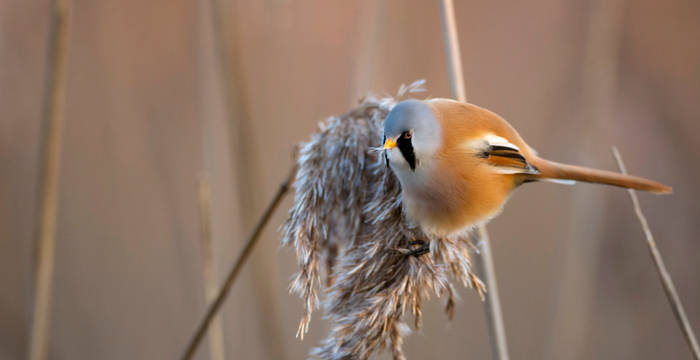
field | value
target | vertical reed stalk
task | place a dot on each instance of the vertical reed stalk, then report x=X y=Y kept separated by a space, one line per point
x=242 y=151
x=494 y=315
x=579 y=252
x=52 y=124
x=664 y=276
x=216 y=336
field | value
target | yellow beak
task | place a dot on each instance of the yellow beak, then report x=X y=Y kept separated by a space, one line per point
x=389 y=144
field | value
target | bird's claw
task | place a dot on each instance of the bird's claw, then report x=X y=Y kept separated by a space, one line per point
x=423 y=248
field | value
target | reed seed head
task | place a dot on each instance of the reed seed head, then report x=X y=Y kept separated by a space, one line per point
x=347 y=224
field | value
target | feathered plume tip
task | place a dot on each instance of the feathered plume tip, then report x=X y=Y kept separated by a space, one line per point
x=347 y=223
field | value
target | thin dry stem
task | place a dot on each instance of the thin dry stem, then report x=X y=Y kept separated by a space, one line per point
x=452 y=50
x=216 y=336
x=494 y=314
x=50 y=172
x=665 y=277
x=233 y=273
x=579 y=258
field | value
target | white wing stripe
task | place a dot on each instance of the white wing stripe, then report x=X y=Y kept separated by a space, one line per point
x=492 y=140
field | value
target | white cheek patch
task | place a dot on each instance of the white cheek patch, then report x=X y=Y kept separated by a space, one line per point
x=395 y=157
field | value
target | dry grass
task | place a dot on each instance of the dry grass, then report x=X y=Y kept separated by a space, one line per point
x=347 y=223
x=664 y=276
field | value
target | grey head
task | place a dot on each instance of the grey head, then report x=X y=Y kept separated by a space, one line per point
x=411 y=135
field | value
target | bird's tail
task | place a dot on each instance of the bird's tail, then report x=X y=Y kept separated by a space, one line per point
x=550 y=170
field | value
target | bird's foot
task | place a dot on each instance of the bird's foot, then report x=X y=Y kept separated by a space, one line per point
x=418 y=248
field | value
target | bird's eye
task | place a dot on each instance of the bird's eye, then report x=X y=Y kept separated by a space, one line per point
x=407 y=135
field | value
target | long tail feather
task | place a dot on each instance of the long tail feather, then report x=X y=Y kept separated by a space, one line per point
x=552 y=170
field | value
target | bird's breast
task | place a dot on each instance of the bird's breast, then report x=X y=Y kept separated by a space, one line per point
x=455 y=198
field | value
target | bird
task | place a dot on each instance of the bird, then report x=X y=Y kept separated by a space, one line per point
x=458 y=163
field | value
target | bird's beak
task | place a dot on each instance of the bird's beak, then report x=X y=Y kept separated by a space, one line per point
x=389 y=144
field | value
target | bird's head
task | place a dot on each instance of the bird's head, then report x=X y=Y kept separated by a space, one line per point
x=411 y=137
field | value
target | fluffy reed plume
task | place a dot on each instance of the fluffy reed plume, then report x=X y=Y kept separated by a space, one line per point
x=347 y=223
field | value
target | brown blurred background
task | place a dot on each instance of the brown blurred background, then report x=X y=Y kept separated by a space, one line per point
x=148 y=111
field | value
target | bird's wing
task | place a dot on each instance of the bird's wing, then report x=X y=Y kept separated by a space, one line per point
x=505 y=157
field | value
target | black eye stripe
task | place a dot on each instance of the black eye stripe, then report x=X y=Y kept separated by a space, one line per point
x=406 y=148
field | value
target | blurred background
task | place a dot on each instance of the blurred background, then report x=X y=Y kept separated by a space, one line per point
x=160 y=94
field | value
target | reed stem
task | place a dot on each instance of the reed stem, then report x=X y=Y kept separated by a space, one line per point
x=51 y=139
x=494 y=314
x=216 y=337
x=664 y=276
x=221 y=295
